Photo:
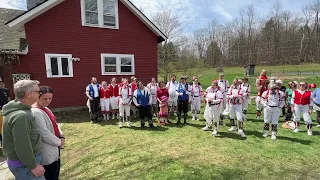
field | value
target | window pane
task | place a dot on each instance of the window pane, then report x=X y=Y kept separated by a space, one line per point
x=125 y=69
x=110 y=60
x=109 y=20
x=91 y=5
x=54 y=66
x=109 y=69
x=109 y=7
x=91 y=17
x=126 y=61
x=65 y=66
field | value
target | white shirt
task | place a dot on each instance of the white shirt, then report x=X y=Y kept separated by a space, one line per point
x=235 y=95
x=172 y=86
x=145 y=91
x=269 y=99
x=95 y=89
x=196 y=90
x=153 y=88
x=125 y=98
x=223 y=85
x=214 y=94
x=246 y=89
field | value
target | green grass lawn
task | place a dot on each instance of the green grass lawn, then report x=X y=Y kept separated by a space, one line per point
x=104 y=151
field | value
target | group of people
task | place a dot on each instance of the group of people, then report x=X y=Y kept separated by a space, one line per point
x=31 y=136
x=221 y=100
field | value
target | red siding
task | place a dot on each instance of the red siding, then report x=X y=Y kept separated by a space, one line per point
x=59 y=31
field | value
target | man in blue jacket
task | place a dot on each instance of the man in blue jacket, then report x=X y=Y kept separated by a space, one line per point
x=93 y=92
x=183 y=92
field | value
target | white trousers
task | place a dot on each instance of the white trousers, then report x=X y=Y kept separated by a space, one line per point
x=258 y=103
x=236 y=111
x=212 y=114
x=114 y=102
x=173 y=100
x=196 y=102
x=124 y=110
x=271 y=114
x=304 y=111
x=154 y=99
x=105 y=104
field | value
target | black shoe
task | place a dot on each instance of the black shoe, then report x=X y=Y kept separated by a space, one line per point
x=142 y=125
x=185 y=122
x=151 y=126
x=179 y=122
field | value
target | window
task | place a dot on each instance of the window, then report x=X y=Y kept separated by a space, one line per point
x=113 y=64
x=100 y=13
x=59 y=65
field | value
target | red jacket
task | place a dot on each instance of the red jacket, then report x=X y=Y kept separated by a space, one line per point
x=113 y=91
x=104 y=93
x=302 y=99
x=162 y=92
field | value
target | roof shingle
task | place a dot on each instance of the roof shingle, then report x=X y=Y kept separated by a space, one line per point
x=10 y=39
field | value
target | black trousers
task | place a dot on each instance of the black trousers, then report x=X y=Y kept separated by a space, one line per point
x=145 y=112
x=289 y=113
x=183 y=105
x=318 y=117
x=94 y=106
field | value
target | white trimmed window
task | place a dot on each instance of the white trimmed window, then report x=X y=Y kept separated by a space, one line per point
x=59 y=65
x=114 y=64
x=100 y=13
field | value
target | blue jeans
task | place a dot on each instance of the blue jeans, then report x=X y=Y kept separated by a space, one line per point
x=23 y=173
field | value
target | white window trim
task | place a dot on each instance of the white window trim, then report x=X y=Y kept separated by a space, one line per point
x=118 y=66
x=100 y=16
x=59 y=56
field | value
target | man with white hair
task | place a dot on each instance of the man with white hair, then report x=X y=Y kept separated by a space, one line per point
x=223 y=85
x=272 y=100
x=246 y=89
x=282 y=89
x=92 y=92
x=235 y=100
x=21 y=137
x=173 y=98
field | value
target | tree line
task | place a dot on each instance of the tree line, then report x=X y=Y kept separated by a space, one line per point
x=280 y=37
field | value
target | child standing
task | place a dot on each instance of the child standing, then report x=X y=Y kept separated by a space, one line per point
x=163 y=113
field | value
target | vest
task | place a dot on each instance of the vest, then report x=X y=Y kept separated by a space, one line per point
x=104 y=93
x=261 y=90
x=180 y=90
x=302 y=99
x=143 y=99
x=114 y=91
x=91 y=90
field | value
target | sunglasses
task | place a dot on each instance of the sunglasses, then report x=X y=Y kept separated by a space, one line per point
x=302 y=84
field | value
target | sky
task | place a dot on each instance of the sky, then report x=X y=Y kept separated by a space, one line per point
x=195 y=14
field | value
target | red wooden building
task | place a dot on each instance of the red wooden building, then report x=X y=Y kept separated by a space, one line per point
x=69 y=41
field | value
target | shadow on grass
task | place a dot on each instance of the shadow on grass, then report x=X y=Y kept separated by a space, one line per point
x=230 y=135
x=305 y=142
x=147 y=128
x=254 y=133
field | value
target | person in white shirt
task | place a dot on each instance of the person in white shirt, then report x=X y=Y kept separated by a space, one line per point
x=214 y=100
x=125 y=94
x=183 y=93
x=235 y=99
x=223 y=87
x=173 y=98
x=142 y=99
x=272 y=100
x=301 y=104
x=92 y=92
x=153 y=87
x=196 y=95
x=246 y=89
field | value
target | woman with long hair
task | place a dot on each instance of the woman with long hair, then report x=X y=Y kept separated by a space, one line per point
x=52 y=137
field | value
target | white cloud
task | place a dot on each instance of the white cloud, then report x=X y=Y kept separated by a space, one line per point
x=220 y=10
x=13 y=4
